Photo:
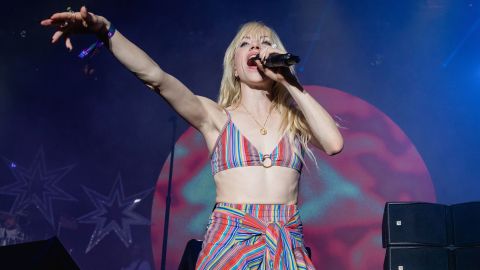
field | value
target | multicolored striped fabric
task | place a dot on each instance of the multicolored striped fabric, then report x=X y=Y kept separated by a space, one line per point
x=254 y=236
x=232 y=150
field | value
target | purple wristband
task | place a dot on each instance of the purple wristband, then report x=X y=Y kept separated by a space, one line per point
x=98 y=44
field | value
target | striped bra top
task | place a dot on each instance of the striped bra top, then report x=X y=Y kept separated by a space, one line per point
x=232 y=150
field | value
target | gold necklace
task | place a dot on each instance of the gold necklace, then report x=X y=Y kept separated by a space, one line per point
x=263 y=129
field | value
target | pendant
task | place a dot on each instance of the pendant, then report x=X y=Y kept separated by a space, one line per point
x=267 y=161
x=263 y=131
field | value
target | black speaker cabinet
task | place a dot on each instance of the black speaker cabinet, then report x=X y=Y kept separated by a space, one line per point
x=466 y=224
x=45 y=254
x=415 y=224
x=190 y=255
x=417 y=258
x=467 y=259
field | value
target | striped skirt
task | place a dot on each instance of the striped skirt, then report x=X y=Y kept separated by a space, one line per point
x=254 y=236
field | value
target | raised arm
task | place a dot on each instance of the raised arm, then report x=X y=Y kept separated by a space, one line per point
x=325 y=134
x=198 y=111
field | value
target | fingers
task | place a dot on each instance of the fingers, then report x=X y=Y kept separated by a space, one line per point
x=260 y=65
x=46 y=22
x=69 y=23
x=86 y=17
x=57 y=35
x=50 y=22
x=72 y=19
x=75 y=16
x=68 y=43
x=265 y=52
x=71 y=16
x=272 y=73
x=84 y=12
x=61 y=16
x=68 y=40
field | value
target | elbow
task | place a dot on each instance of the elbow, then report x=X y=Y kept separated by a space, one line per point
x=335 y=148
x=155 y=78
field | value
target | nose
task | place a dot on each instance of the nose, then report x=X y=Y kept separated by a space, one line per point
x=255 y=45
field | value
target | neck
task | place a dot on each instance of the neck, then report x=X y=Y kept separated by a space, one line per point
x=256 y=100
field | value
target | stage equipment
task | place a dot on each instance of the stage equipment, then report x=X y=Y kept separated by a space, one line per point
x=45 y=254
x=425 y=236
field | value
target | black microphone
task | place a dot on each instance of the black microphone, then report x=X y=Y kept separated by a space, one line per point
x=279 y=60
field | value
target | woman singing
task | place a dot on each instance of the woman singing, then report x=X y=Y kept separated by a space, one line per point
x=257 y=135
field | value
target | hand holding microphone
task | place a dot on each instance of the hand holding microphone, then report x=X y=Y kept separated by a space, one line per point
x=275 y=65
x=279 y=60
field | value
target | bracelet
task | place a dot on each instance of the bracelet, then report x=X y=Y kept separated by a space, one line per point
x=98 y=44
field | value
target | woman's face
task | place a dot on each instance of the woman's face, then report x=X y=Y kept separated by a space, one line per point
x=246 y=69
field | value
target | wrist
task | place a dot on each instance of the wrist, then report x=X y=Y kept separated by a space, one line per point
x=103 y=36
x=292 y=84
x=107 y=33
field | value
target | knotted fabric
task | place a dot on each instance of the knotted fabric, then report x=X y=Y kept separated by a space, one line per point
x=265 y=237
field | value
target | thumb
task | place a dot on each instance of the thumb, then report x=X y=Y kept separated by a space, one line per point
x=260 y=65
x=84 y=13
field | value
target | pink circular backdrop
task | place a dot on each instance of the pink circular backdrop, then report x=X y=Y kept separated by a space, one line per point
x=341 y=201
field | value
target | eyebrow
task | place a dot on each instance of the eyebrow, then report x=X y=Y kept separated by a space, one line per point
x=248 y=37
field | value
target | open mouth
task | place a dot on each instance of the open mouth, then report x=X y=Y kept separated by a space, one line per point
x=251 y=60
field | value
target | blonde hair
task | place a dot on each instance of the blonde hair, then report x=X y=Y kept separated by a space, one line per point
x=293 y=119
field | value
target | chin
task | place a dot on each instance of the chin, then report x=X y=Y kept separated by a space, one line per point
x=260 y=84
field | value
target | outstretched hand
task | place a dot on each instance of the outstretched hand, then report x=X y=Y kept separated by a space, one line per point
x=70 y=22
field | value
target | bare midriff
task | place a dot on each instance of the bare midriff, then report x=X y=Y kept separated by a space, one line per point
x=257 y=185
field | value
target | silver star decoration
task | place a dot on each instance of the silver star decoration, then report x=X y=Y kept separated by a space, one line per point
x=113 y=213
x=36 y=186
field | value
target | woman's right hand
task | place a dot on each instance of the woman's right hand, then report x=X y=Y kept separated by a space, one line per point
x=69 y=22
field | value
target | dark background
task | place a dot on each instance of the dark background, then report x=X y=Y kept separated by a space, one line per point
x=416 y=60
